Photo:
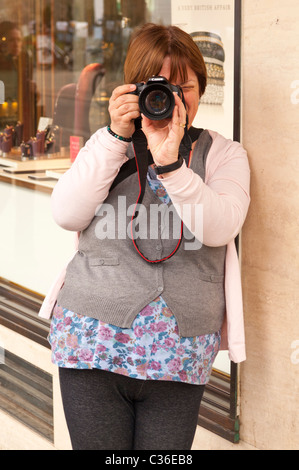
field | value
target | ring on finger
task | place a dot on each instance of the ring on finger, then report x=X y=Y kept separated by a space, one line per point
x=180 y=124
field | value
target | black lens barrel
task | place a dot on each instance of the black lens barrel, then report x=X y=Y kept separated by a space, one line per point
x=156 y=102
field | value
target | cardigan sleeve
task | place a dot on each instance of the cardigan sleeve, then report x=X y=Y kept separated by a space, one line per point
x=223 y=197
x=86 y=184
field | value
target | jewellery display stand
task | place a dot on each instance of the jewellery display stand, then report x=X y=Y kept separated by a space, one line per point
x=13 y=163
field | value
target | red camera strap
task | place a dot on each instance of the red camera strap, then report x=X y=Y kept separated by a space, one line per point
x=143 y=159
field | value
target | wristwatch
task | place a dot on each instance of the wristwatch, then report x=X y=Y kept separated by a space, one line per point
x=160 y=170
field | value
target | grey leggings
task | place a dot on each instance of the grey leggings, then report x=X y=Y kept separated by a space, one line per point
x=107 y=411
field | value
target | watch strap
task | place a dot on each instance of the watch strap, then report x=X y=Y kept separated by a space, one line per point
x=160 y=170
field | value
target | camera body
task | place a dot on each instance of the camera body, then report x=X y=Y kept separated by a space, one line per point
x=156 y=100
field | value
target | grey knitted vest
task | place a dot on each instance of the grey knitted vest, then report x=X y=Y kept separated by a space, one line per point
x=108 y=280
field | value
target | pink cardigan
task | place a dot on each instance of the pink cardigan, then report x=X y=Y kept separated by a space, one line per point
x=224 y=196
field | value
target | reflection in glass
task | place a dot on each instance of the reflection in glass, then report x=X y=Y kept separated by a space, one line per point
x=16 y=72
x=50 y=46
x=46 y=48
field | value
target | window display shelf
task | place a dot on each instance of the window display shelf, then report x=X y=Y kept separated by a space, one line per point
x=40 y=174
x=14 y=163
x=37 y=181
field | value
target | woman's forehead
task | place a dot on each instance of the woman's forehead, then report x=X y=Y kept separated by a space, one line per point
x=176 y=71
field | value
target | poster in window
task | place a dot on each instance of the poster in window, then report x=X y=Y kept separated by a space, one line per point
x=211 y=23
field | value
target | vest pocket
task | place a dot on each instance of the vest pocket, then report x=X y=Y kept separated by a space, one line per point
x=210 y=277
x=113 y=261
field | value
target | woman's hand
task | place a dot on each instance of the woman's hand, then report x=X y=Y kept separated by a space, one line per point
x=164 y=137
x=124 y=109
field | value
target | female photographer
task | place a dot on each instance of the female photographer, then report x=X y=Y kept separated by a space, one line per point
x=138 y=320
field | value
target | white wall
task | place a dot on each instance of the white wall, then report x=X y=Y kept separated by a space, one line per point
x=270 y=240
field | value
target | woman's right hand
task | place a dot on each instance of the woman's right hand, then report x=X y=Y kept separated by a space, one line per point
x=124 y=109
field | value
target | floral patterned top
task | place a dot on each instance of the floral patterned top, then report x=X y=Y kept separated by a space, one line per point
x=150 y=350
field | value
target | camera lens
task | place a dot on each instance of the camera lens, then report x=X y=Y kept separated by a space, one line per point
x=156 y=102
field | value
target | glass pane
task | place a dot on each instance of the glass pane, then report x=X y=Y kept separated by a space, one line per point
x=59 y=62
x=45 y=48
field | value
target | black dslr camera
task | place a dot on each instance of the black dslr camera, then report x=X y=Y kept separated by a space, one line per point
x=156 y=100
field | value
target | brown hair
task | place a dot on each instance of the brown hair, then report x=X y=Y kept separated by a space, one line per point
x=148 y=48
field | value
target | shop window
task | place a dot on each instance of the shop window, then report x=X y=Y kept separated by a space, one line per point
x=59 y=62
x=47 y=45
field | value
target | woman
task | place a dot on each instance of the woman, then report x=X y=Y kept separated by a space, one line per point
x=135 y=337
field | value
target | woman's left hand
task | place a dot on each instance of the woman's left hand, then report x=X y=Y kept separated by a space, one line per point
x=164 y=137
